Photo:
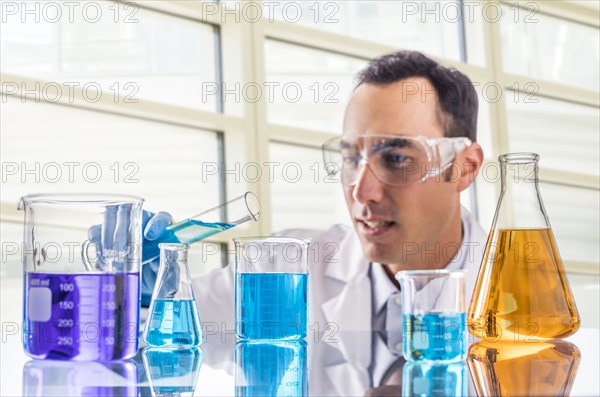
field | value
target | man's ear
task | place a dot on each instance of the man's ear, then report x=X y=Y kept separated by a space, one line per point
x=468 y=164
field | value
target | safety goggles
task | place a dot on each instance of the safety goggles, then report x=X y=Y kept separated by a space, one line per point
x=394 y=159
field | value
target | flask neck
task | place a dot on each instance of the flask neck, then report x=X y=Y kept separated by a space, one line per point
x=520 y=205
x=173 y=281
x=174 y=255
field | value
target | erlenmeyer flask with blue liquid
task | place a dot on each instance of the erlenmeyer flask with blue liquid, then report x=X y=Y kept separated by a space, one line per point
x=173 y=319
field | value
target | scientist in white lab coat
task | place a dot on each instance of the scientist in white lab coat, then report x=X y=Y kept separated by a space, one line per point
x=407 y=151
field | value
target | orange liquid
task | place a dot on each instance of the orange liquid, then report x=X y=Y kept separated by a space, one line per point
x=522 y=293
x=535 y=369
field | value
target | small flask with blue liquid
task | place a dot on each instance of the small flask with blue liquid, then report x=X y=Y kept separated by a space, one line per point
x=173 y=319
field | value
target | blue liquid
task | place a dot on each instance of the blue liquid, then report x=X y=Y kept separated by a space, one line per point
x=81 y=317
x=271 y=369
x=172 y=371
x=173 y=323
x=435 y=337
x=271 y=305
x=424 y=379
x=190 y=230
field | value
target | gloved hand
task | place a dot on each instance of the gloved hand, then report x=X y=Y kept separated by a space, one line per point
x=113 y=233
x=153 y=233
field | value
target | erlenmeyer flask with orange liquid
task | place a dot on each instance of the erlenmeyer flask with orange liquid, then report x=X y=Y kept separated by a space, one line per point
x=522 y=293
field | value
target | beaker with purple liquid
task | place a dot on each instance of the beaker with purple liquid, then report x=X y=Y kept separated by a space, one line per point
x=81 y=260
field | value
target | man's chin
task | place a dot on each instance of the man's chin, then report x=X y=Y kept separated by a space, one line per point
x=377 y=252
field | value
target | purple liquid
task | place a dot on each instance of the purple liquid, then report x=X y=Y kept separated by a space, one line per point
x=81 y=316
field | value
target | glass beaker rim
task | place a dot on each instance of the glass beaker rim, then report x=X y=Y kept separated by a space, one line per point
x=174 y=246
x=70 y=198
x=519 y=157
x=429 y=272
x=261 y=239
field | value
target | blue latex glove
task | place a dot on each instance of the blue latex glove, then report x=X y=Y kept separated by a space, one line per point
x=113 y=233
x=111 y=236
x=154 y=232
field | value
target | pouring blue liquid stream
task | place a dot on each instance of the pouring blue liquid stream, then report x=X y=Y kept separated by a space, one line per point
x=208 y=223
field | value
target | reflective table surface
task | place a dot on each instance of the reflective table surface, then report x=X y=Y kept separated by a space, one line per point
x=327 y=363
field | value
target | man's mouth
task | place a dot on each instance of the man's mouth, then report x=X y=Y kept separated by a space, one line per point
x=374 y=228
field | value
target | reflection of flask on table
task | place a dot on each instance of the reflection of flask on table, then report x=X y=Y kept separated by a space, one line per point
x=522 y=290
x=173 y=318
x=431 y=379
x=271 y=369
x=524 y=369
x=172 y=372
x=67 y=378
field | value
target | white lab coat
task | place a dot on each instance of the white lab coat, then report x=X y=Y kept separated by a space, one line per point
x=339 y=301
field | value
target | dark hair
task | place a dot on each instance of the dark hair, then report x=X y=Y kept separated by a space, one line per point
x=458 y=102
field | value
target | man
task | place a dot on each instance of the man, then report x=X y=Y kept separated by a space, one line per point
x=407 y=151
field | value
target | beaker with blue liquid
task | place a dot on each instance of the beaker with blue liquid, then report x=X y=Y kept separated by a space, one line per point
x=173 y=319
x=433 y=315
x=82 y=258
x=271 y=288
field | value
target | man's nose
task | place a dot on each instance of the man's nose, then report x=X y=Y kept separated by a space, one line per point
x=367 y=187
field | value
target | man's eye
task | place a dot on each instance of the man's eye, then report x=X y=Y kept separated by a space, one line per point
x=350 y=160
x=395 y=159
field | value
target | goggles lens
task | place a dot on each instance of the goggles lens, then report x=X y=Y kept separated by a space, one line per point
x=395 y=160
